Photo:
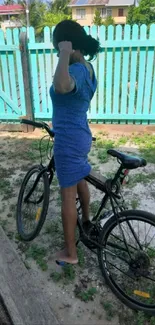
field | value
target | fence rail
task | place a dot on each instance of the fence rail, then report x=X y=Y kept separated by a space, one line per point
x=125 y=69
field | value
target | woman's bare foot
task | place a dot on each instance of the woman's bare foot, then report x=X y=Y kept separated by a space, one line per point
x=64 y=257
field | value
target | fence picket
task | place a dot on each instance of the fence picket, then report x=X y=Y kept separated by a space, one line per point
x=5 y=73
x=141 y=72
x=20 y=76
x=117 y=72
x=48 y=69
x=149 y=72
x=133 y=67
x=34 y=75
x=2 y=106
x=11 y=66
x=125 y=68
x=93 y=105
x=101 y=74
x=109 y=69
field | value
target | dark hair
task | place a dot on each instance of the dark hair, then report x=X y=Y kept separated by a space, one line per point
x=69 y=30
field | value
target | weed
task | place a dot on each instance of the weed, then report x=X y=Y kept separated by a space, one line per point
x=148 y=154
x=69 y=272
x=38 y=254
x=56 y=276
x=94 y=206
x=104 y=144
x=140 y=318
x=121 y=141
x=141 y=178
x=81 y=258
x=109 y=309
x=134 y=204
x=87 y=295
x=102 y=156
x=55 y=227
x=67 y=275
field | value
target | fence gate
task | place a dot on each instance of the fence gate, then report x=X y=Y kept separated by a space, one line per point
x=12 y=97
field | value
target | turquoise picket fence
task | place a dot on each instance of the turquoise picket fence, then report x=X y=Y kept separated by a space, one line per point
x=12 y=97
x=125 y=69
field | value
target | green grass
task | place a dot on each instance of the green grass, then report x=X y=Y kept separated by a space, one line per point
x=94 y=206
x=134 y=204
x=104 y=144
x=109 y=309
x=102 y=156
x=5 y=186
x=81 y=258
x=38 y=254
x=121 y=141
x=54 y=227
x=66 y=276
x=141 y=178
x=148 y=154
x=86 y=295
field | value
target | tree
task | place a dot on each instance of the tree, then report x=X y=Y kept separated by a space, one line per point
x=60 y=6
x=109 y=21
x=9 y=2
x=97 y=18
x=52 y=19
x=143 y=14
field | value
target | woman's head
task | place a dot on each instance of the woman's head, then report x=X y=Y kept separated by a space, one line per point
x=69 y=30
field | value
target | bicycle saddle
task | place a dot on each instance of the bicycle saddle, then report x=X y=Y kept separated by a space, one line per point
x=129 y=162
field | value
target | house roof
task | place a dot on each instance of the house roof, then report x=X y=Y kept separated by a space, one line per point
x=8 y=9
x=109 y=3
x=114 y=3
x=80 y=3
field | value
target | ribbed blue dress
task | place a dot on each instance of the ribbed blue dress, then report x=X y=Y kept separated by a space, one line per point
x=73 y=137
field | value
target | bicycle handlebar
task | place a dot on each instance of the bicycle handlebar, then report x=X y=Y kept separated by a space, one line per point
x=39 y=125
x=42 y=125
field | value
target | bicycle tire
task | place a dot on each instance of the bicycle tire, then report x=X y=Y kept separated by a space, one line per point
x=24 y=236
x=106 y=230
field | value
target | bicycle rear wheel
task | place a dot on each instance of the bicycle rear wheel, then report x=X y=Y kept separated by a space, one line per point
x=127 y=259
x=33 y=201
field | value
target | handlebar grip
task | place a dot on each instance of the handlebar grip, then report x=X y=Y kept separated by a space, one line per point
x=93 y=139
x=33 y=123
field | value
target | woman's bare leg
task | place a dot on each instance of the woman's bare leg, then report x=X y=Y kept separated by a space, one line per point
x=69 y=219
x=84 y=196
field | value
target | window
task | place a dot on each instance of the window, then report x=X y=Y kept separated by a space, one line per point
x=120 y=12
x=80 y=13
x=109 y=12
x=105 y=12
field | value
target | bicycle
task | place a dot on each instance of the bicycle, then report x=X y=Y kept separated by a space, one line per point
x=126 y=260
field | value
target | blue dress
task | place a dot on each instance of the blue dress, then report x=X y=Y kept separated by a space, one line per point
x=73 y=137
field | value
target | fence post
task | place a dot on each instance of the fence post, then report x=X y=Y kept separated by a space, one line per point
x=27 y=81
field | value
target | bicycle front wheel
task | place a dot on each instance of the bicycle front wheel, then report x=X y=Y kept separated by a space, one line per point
x=127 y=259
x=33 y=201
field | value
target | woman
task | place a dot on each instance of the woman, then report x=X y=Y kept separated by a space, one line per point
x=73 y=87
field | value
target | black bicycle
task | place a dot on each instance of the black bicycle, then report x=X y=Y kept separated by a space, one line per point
x=124 y=240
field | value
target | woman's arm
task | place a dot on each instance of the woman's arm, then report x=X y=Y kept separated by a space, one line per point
x=62 y=82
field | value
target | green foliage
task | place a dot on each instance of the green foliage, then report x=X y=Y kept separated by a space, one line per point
x=58 y=6
x=97 y=18
x=109 y=21
x=52 y=19
x=143 y=14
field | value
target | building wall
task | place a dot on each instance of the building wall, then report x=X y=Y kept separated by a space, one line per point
x=90 y=11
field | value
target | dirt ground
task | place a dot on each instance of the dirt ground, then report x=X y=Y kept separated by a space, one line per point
x=79 y=295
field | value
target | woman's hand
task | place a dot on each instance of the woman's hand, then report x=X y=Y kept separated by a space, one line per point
x=66 y=46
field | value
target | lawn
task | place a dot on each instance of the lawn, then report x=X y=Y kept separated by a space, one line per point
x=79 y=291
